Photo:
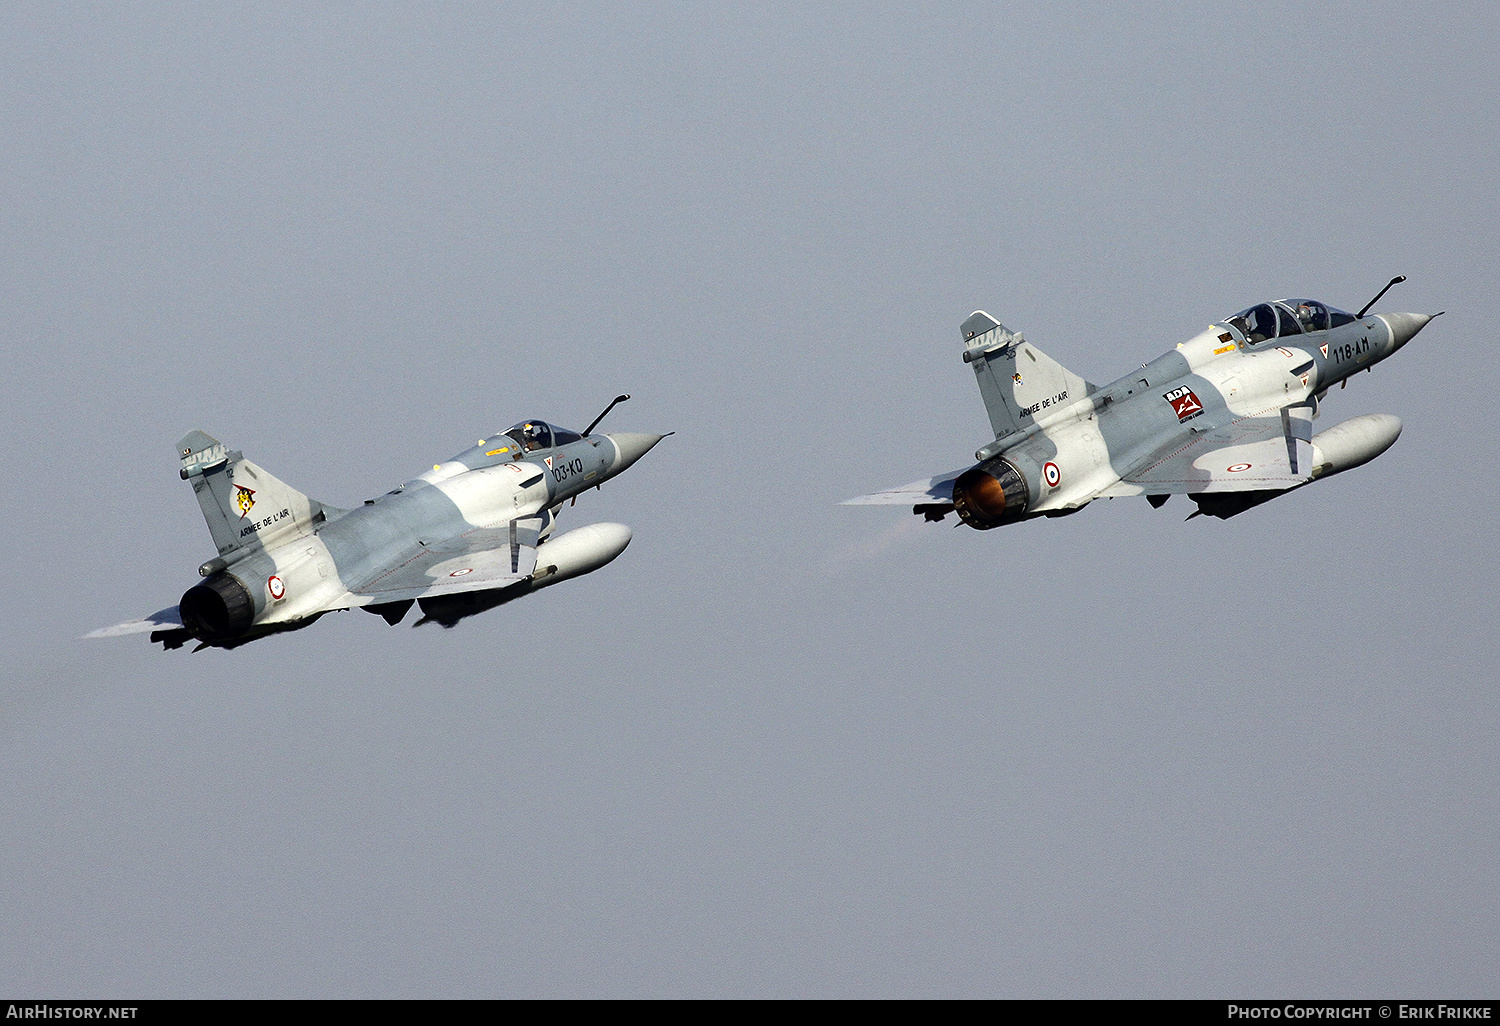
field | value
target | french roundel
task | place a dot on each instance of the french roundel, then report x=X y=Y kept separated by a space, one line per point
x=1238 y=468
x=1052 y=475
x=275 y=587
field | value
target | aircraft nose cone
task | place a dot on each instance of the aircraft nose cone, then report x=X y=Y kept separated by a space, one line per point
x=1404 y=326
x=632 y=445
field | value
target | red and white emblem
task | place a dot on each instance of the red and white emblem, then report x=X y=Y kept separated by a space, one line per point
x=1052 y=475
x=275 y=587
x=1184 y=403
x=1238 y=468
x=460 y=573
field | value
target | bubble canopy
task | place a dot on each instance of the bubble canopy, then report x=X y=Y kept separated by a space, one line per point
x=532 y=435
x=1286 y=317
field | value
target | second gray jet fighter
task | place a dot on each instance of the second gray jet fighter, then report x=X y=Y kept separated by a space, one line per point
x=465 y=536
x=1226 y=418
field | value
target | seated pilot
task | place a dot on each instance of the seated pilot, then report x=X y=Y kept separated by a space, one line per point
x=1262 y=323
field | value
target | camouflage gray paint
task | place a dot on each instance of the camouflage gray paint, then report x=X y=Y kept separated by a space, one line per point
x=1226 y=418
x=465 y=536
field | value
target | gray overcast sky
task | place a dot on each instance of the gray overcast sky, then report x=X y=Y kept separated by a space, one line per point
x=779 y=747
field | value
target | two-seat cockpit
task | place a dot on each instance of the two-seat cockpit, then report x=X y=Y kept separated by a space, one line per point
x=1287 y=317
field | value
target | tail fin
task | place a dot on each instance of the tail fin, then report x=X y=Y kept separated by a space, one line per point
x=244 y=505
x=1016 y=379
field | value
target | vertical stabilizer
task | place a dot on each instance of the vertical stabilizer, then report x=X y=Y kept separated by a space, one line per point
x=1017 y=381
x=245 y=506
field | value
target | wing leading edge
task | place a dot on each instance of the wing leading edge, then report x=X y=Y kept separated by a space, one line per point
x=1252 y=454
x=480 y=560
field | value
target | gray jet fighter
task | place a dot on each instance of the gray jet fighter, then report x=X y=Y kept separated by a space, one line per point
x=1226 y=418
x=464 y=537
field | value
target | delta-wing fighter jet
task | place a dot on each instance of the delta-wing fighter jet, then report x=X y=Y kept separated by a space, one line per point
x=1226 y=418
x=459 y=539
